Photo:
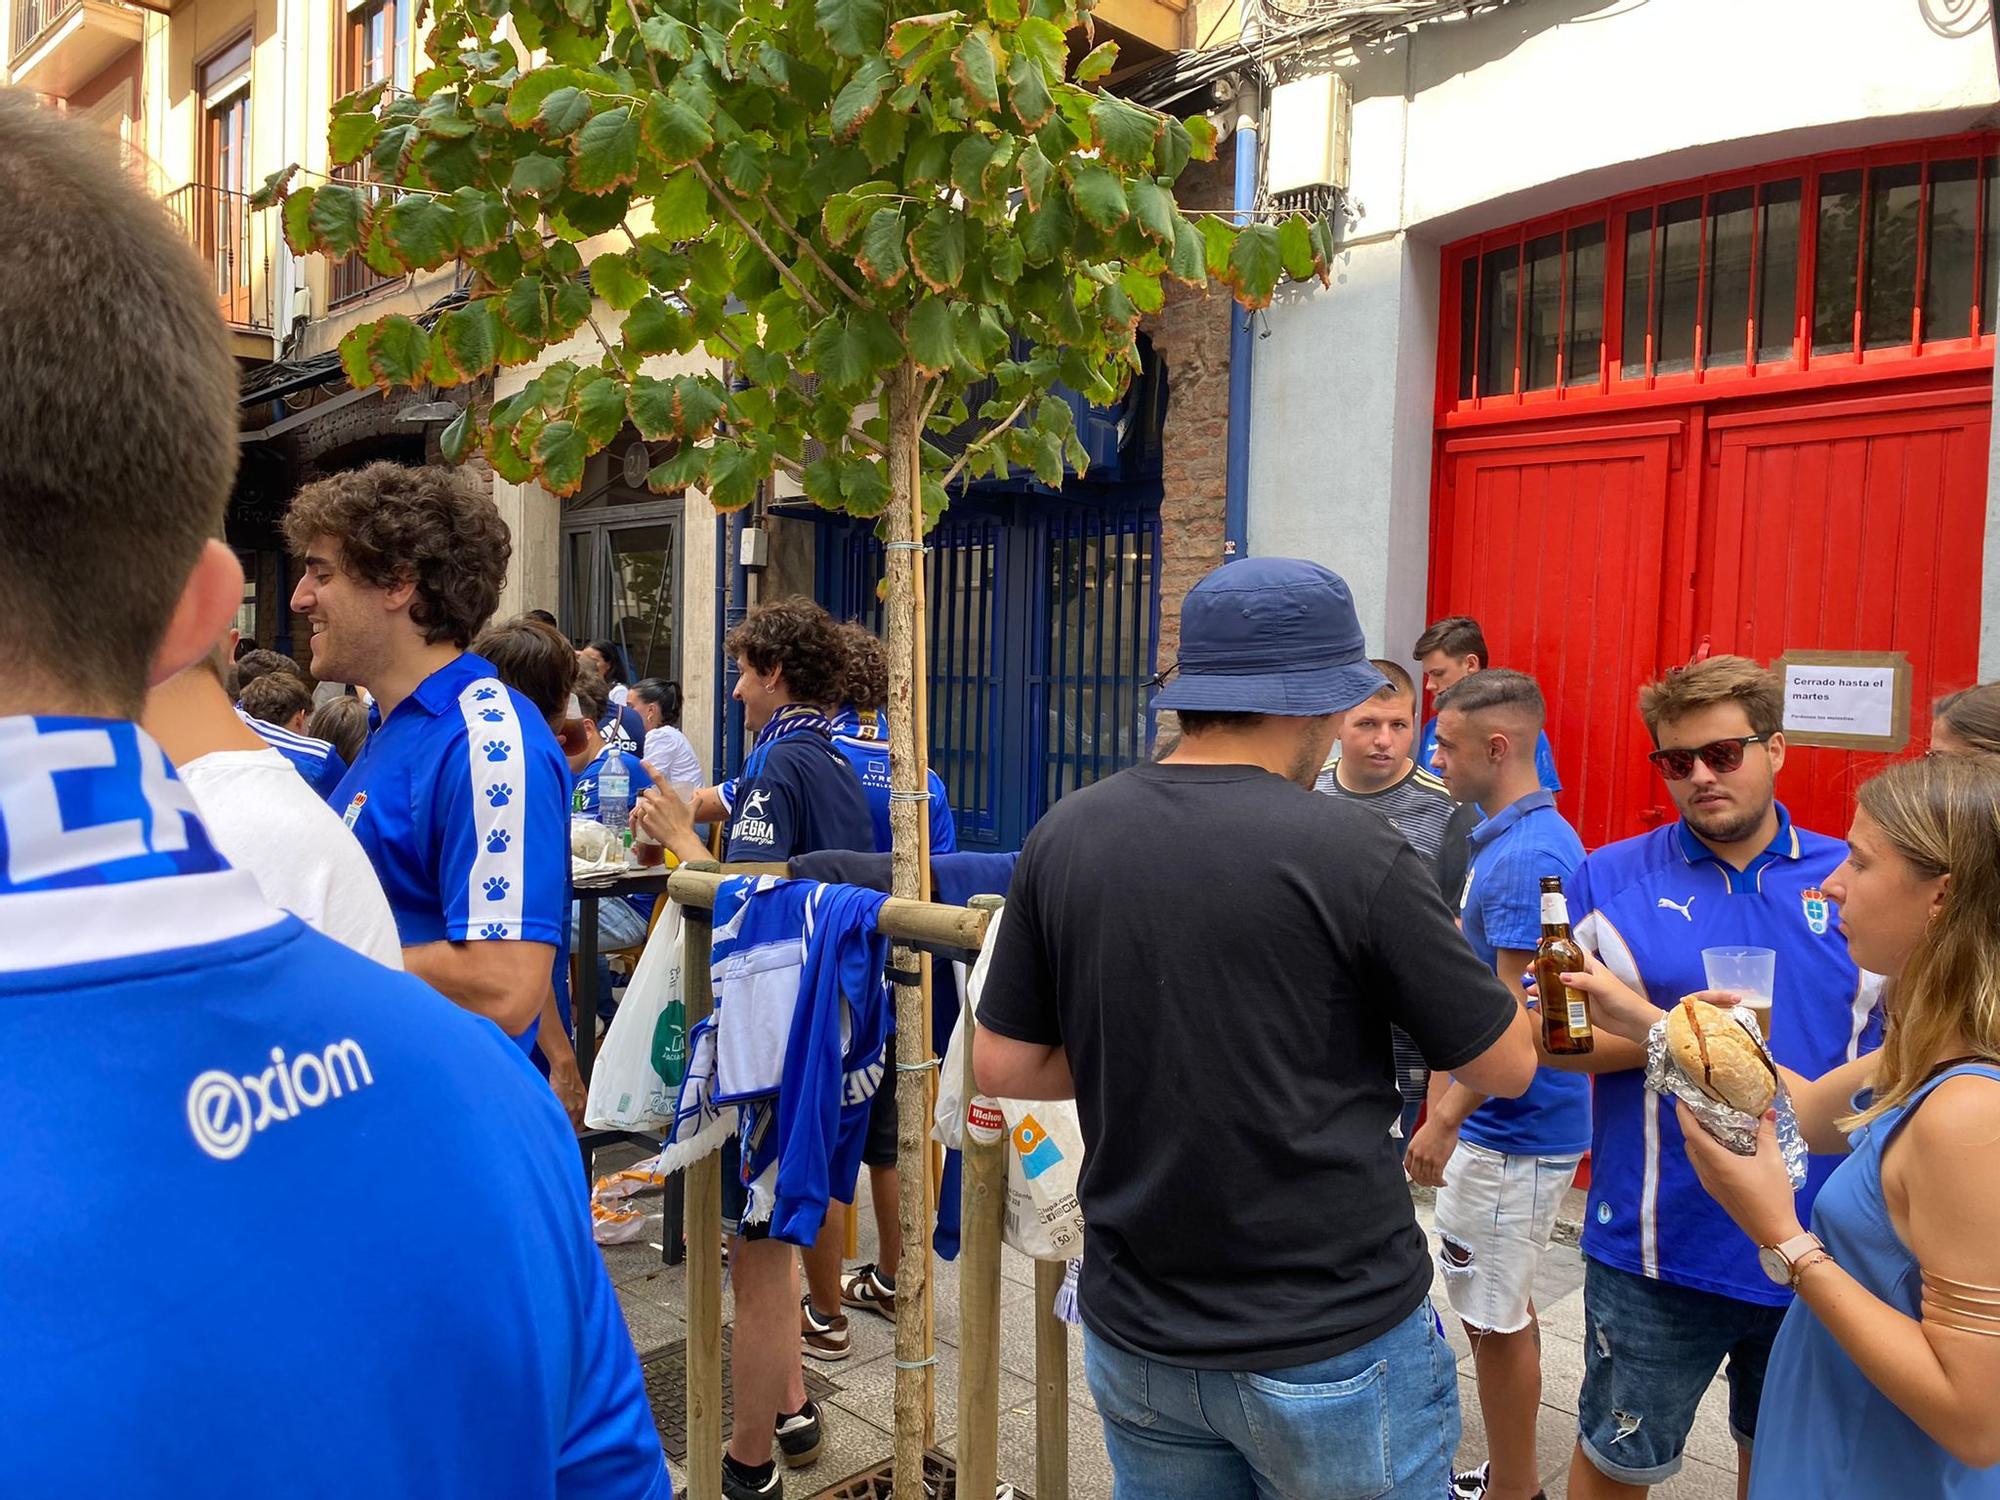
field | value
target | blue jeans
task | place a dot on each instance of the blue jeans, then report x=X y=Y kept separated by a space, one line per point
x=1380 y=1420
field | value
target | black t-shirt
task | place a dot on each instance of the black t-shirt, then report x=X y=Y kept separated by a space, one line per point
x=1222 y=953
x=797 y=795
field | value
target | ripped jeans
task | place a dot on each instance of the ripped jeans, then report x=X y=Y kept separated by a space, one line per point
x=1650 y=1350
x=1380 y=1420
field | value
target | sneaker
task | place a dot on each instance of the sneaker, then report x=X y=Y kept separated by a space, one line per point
x=867 y=1287
x=1471 y=1484
x=823 y=1339
x=745 y=1484
x=800 y=1436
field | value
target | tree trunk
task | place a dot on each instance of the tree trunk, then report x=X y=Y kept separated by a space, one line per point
x=907 y=777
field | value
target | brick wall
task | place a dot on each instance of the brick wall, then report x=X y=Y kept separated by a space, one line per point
x=1191 y=336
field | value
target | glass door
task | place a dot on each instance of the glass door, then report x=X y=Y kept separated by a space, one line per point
x=620 y=581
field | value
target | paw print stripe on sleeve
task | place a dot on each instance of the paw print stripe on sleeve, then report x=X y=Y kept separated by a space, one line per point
x=493 y=751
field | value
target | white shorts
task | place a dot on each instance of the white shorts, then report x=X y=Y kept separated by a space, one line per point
x=1495 y=1216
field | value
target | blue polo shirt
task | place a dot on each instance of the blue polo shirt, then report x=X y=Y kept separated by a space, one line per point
x=460 y=799
x=1647 y=906
x=866 y=746
x=1545 y=755
x=317 y=761
x=306 y=1322
x=1502 y=908
x=797 y=795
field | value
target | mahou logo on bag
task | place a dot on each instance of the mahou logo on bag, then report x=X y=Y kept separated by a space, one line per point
x=220 y=1108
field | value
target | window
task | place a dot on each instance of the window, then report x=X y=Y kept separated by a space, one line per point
x=380 y=45
x=1865 y=256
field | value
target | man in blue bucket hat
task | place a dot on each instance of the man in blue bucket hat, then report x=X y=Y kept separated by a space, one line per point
x=1209 y=957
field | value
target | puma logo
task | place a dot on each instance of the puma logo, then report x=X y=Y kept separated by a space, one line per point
x=1678 y=906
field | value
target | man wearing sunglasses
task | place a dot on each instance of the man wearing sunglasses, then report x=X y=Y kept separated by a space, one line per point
x=1672 y=1289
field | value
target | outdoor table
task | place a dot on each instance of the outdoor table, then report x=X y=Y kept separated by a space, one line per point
x=583 y=1007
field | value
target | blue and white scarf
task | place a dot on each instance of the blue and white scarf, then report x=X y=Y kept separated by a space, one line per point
x=102 y=854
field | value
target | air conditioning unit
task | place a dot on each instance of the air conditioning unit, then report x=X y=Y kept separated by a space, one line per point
x=1311 y=119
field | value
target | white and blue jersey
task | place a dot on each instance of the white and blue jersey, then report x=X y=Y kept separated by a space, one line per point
x=317 y=761
x=1545 y=755
x=866 y=746
x=1647 y=906
x=303 y=1321
x=1501 y=908
x=460 y=799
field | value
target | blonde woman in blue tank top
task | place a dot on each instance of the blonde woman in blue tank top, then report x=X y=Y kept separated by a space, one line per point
x=1884 y=1377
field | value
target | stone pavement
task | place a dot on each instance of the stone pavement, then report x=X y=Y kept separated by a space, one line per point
x=860 y=1414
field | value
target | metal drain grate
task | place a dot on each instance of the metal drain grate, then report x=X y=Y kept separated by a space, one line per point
x=665 y=1372
x=879 y=1483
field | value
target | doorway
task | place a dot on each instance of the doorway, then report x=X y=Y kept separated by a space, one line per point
x=621 y=579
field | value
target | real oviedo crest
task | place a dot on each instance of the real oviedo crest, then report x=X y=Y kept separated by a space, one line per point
x=1819 y=912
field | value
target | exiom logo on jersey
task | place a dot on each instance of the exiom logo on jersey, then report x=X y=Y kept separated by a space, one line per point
x=219 y=1104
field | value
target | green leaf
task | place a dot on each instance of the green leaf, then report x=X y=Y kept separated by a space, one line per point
x=561 y=450
x=354 y=356
x=1046 y=231
x=1100 y=60
x=298 y=221
x=937 y=249
x=466 y=342
x=880 y=253
x=1153 y=205
x=507 y=459
x=930 y=159
x=821 y=482
x=480 y=220
x=1145 y=291
x=667 y=35
x=698 y=404
x=563 y=113
x=617 y=280
x=1323 y=249
x=1099 y=196
x=421 y=231
x=583 y=216
x=600 y=408
x=977 y=70
x=1004 y=259
x=853 y=28
x=864 y=487
x=1201 y=131
x=391 y=156
x=1174 y=147
x=525 y=309
x=733 y=476
x=350 y=136
x=653 y=327
x=449 y=165
x=568 y=308
x=1028 y=91
x=674 y=132
x=860 y=98
x=537 y=176
x=1218 y=238
x=883 y=136
x=455 y=442
x=932 y=336
x=525 y=99
x=1036 y=172
x=1295 y=247
x=338 y=219
x=687 y=466
x=969 y=161
x=915 y=33
x=399 y=353
x=376 y=252
x=606 y=151
x=746 y=166
x=839 y=354
x=680 y=209
x=650 y=403
x=1188 y=260
x=1123 y=133
x=1255 y=263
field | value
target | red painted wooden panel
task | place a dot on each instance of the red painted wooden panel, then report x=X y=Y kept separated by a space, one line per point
x=1856 y=531
x=1555 y=546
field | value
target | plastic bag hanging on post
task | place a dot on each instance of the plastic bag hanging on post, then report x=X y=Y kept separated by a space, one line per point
x=644 y=1056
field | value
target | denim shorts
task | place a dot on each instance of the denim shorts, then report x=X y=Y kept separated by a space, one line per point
x=1650 y=1351
x=1495 y=1217
x=1379 y=1421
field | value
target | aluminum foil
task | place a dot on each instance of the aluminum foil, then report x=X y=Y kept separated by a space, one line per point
x=1736 y=1130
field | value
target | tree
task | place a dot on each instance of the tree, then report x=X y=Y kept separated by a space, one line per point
x=900 y=204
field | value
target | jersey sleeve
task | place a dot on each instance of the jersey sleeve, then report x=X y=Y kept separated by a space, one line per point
x=944 y=827
x=1019 y=999
x=726 y=792
x=332 y=770
x=768 y=813
x=1431 y=983
x=502 y=828
x=1508 y=894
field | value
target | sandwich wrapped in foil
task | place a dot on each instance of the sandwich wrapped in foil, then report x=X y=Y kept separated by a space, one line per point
x=1736 y=1130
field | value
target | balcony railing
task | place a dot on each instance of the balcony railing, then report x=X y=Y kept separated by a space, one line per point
x=57 y=46
x=237 y=243
x=352 y=277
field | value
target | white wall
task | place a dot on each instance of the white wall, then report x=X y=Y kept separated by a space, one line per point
x=1469 y=125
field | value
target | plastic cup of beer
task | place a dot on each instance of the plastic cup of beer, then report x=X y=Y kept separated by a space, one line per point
x=1748 y=973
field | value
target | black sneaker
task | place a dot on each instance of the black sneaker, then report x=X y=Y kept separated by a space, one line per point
x=823 y=1339
x=1470 y=1484
x=800 y=1436
x=744 y=1484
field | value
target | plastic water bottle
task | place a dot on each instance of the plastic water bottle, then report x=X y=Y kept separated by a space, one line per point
x=614 y=795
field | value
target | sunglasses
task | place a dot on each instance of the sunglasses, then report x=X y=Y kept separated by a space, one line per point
x=1720 y=756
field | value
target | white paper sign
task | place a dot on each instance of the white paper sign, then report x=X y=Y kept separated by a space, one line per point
x=1840 y=700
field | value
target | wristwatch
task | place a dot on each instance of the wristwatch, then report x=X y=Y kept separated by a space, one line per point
x=1782 y=1263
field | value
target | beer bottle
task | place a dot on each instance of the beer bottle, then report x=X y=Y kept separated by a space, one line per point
x=1565 y=1015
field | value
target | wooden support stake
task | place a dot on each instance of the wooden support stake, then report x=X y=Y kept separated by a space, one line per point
x=704 y=1249
x=1051 y=1385
x=983 y=1208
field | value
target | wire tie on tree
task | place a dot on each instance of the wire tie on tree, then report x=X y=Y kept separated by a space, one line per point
x=909 y=796
x=917 y=1067
x=903 y=976
x=916 y=1364
x=906 y=547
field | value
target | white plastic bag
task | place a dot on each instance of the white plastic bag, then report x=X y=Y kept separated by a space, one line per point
x=638 y=1070
x=1044 y=1220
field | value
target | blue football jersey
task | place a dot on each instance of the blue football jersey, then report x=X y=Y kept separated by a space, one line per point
x=1648 y=906
x=866 y=747
x=304 y=1319
x=317 y=761
x=460 y=798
